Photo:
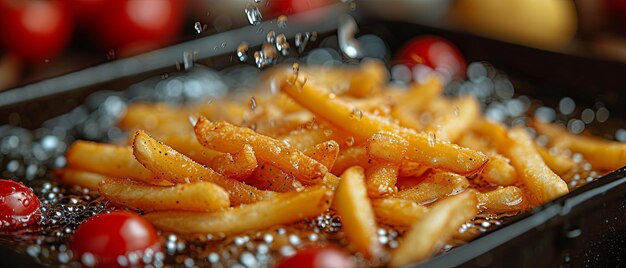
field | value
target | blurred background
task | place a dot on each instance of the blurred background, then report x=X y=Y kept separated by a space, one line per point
x=46 y=38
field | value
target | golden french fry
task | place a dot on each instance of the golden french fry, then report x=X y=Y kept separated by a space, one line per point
x=499 y=171
x=176 y=167
x=602 y=154
x=399 y=212
x=454 y=123
x=325 y=153
x=284 y=124
x=238 y=165
x=152 y=117
x=434 y=187
x=286 y=208
x=352 y=156
x=410 y=169
x=269 y=177
x=305 y=138
x=422 y=149
x=475 y=141
x=225 y=137
x=363 y=80
x=534 y=173
x=197 y=196
x=355 y=211
x=501 y=200
x=558 y=163
x=381 y=180
x=387 y=147
x=107 y=159
x=187 y=144
x=84 y=179
x=415 y=100
x=430 y=233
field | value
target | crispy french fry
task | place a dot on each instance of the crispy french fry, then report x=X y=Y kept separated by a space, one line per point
x=364 y=80
x=501 y=200
x=602 y=154
x=284 y=209
x=452 y=125
x=84 y=179
x=399 y=212
x=354 y=208
x=269 y=177
x=176 y=167
x=534 y=173
x=410 y=169
x=558 y=163
x=434 y=187
x=428 y=234
x=225 y=137
x=352 y=156
x=387 y=147
x=187 y=144
x=238 y=165
x=381 y=180
x=284 y=124
x=303 y=139
x=437 y=154
x=197 y=196
x=416 y=100
x=152 y=117
x=325 y=153
x=499 y=171
x=106 y=159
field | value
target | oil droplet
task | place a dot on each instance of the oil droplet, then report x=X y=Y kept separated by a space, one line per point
x=253 y=14
x=356 y=113
x=432 y=139
x=242 y=52
x=301 y=40
x=198 y=26
x=271 y=37
x=456 y=111
x=350 y=141
x=252 y=104
x=328 y=132
x=187 y=60
x=282 y=45
x=282 y=21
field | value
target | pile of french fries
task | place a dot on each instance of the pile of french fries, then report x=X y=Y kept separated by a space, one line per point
x=332 y=139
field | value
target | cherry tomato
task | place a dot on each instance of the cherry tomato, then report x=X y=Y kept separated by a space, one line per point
x=288 y=7
x=36 y=30
x=130 y=27
x=87 y=11
x=435 y=52
x=103 y=240
x=317 y=257
x=19 y=206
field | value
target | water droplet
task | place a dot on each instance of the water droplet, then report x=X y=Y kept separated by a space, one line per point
x=282 y=45
x=198 y=27
x=282 y=21
x=356 y=113
x=254 y=14
x=187 y=60
x=301 y=40
x=432 y=139
x=328 y=132
x=252 y=104
x=242 y=52
x=271 y=37
x=350 y=141
x=347 y=43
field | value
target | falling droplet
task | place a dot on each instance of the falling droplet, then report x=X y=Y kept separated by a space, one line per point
x=356 y=113
x=271 y=37
x=187 y=60
x=242 y=52
x=282 y=21
x=193 y=119
x=346 y=31
x=432 y=139
x=198 y=26
x=301 y=40
x=282 y=45
x=252 y=104
x=253 y=14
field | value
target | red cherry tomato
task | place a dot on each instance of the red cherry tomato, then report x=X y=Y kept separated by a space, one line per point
x=130 y=27
x=288 y=7
x=317 y=257
x=102 y=239
x=36 y=30
x=435 y=52
x=19 y=206
x=87 y=11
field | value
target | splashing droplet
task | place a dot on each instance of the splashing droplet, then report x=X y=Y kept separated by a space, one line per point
x=282 y=45
x=198 y=27
x=432 y=139
x=252 y=104
x=356 y=113
x=350 y=141
x=301 y=40
x=254 y=14
x=282 y=21
x=347 y=43
x=187 y=60
x=271 y=37
x=242 y=52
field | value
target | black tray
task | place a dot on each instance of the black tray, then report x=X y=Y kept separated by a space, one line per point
x=587 y=227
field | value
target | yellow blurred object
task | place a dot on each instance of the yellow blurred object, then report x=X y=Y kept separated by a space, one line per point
x=539 y=23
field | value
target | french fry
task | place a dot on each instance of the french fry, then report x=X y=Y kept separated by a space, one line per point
x=499 y=171
x=197 y=196
x=602 y=154
x=434 y=187
x=410 y=169
x=187 y=144
x=325 y=153
x=355 y=212
x=363 y=80
x=423 y=150
x=238 y=165
x=280 y=126
x=269 y=177
x=501 y=200
x=176 y=167
x=430 y=233
x=151 y=117
x=453 y=124
x=352 y=156
x=381 y=179
x=544 y=184
x=286 y=208
x=558 y=163
x=84 y=179
x=387 y=147
x=415 y=100
x=399 y=212
x=305 y=138
x=225 y=137
x=109 y=160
